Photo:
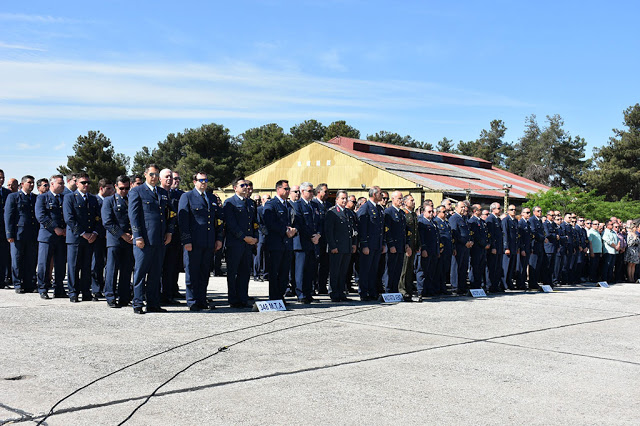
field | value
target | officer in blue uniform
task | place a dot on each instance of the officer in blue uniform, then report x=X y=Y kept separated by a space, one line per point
x=478 y=253
x=583 y=244
x=536 y=261
x=561 y=253
x=395 y=236
x=447 y=250
x=568 y=258
x=426 y=260
x=463 y=243
x=241 y=231
x=550 y=247
x=152 y=225
x=5 y=250
x=494 y=257
x=370 y=233
x=260 y=261
x=278 y=219
x=321 y=206
x=51 y=238
x=509 y=226
x=115 y=219
x=524 y=246
x=21 y=228
x=81 y=214
x=338 y=229
x=304 y=243
x=201 y=232
x=173 y=257
x=105 y=189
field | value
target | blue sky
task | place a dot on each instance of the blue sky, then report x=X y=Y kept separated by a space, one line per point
x=139 y=70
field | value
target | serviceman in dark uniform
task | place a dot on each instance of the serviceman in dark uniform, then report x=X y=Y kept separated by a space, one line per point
x=428 y=255
x=463 y=243
x=81 y=214
x=152 y=227
x=407 y=277
x=21 y=228
x=341 y=242
x=510 y=255
x=524 y=246
x=105 y=189
x=321 y=205
x=583 y=245
x=447 y=250
x=260 y=271
x=5 y=250
x=51 y=238
x=173 y=257
x=478 y=253
x=536 y=261
x=561 y=253
x=494 y=256
x=241 y=232
x=352 y=269
x=201 y=232
x=304 y=243
x=550 y=247
x=115 y=219
x=278 y=219
x=395 y=235
x=568 y=260
x=370 y=234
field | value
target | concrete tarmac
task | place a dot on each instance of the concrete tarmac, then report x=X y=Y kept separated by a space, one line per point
x=567 y=357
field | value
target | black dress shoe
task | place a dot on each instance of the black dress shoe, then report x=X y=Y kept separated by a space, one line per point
x=336 y=300
x=155 y=309
x=99 y=294
x=113 y=304
x=60 y=295
x=195 y=308
x=407 y=298
x=94 y=297
x=251 y=299
x=169 y=302
x=19 y=290
x=420 y=299
x=179 y=296
x=323 y=291
x=138 y=310
x=74 y=299
x=44 y=296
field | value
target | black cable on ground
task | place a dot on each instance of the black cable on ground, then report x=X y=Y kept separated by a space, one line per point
x=51 y=410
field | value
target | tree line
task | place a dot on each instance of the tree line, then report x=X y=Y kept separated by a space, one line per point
x=545 y=153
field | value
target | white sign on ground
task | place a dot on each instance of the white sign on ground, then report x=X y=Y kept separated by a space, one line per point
x=270 y=305
x=603 y=284
x=392 y=297
x=478 y=292
x=547 y=288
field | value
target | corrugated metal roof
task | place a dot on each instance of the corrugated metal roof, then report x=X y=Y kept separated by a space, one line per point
x=449 y=173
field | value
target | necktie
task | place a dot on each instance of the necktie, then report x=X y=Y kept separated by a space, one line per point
x=206 y=202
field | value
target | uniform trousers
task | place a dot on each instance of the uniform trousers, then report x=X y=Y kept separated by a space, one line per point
x=55 y=249
x=197 y=264
x=23 y=264
x=147 y=275
x=79 y=266
x=119 y=269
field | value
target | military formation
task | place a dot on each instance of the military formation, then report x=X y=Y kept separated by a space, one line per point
x=128 y=243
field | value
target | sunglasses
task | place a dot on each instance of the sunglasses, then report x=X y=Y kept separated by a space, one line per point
x=287 y=188
x=204 y=180
x=243 y=185
x=296 y=192
x=512 y=210
x=154 y=174
x=385 y=198
x=84 y=182
x=124 y=188
x=177 y=179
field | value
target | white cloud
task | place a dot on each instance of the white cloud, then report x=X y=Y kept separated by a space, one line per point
x=22 y=146
x=59 y=147
x=31 y=90
x=19 y=47
x=23 y=17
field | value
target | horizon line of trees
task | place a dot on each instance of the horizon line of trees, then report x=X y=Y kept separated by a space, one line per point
x=547 y=153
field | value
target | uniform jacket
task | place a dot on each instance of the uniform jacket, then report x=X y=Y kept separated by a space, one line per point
x=429 y=236
x=413 y=236
x=494 y=229
x=306 y=222
x=4 y=193
x=551 y=234
x=338 y=228
x=20 y=217
x=444 y=229
x=82 y=216
x=277 y=217
x=199 y=219
x=115 y=219
x=240 y=220
x=395 y=228
x=510 y=234
x=370 y=226
x=459 y=230
x=537 y=234
x=150 y=215
x=50 y=215
x=479 y=234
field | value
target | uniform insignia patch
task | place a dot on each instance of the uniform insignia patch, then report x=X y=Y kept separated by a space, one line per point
x=255 y=225
x=172 y=214
x=219 y=222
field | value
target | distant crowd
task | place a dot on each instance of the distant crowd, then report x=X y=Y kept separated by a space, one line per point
x=128 y=243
